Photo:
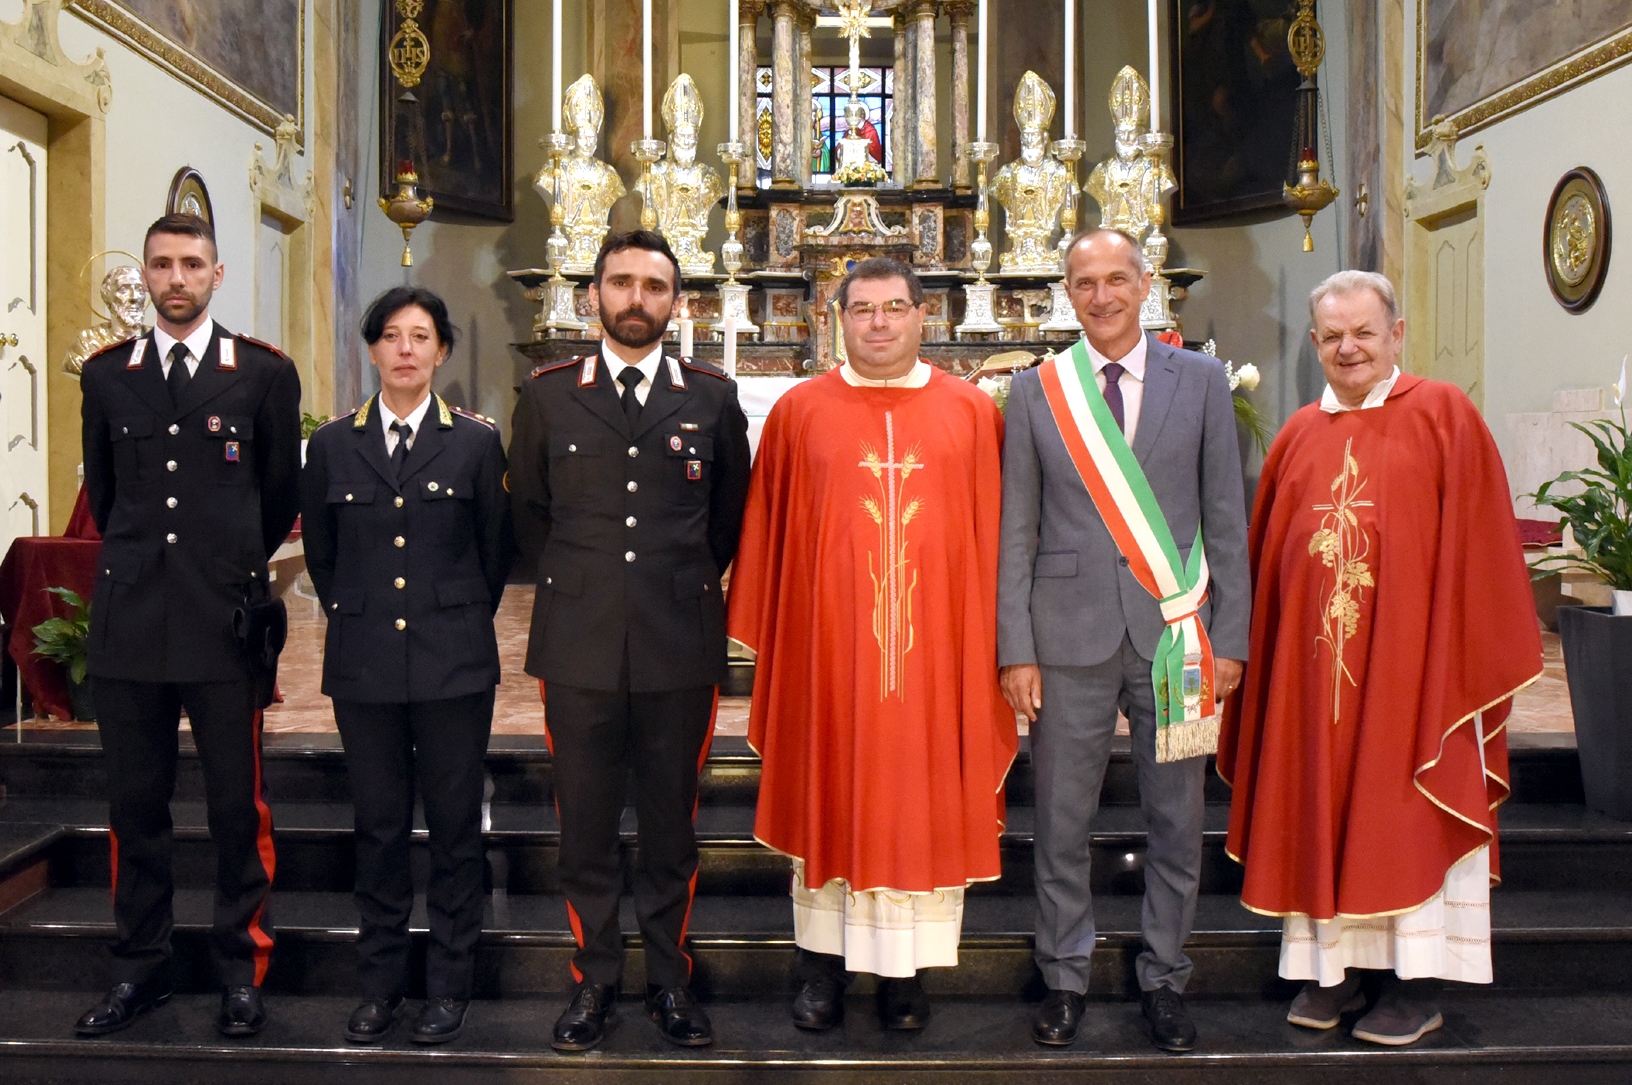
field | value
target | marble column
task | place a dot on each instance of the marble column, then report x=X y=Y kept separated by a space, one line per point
x=903 y=102
x=925 y=162
x=748 y=12
x=959 y=14
x=784 y=168
x=802 y=103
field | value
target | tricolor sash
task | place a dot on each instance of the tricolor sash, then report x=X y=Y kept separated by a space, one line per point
x=1182 y=673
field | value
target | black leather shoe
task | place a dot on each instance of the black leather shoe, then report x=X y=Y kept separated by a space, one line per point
x=1170 y=1026
x=583 y=1023
x=123 y=1003
x=679 y=1017
x=902 y=1004
x=242 y=1012
x=1058 y=1019
x=819 y=1005
x=372 y=1020
x=439 y=1020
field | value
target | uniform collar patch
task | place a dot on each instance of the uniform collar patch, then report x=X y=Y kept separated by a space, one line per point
x=136 y=353
x=677 y=374
x=226 y=356
x=586 y=371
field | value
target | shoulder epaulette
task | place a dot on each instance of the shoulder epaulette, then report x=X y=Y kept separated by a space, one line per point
x=337 y=418
x=551 y=366
x=472 y=415
x=259 y=343
x=125 y=342
x=704 y=368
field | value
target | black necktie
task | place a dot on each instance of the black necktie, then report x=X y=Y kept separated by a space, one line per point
x=179 y=376
x=1113 y=392
x=629 y=378
x=403 y=431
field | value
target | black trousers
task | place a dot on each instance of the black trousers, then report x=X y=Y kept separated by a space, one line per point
x=139 y=722
x=595 y=739
x=389 y=746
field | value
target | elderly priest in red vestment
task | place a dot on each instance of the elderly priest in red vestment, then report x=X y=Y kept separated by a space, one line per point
x=866 y=581
x=1392 y=624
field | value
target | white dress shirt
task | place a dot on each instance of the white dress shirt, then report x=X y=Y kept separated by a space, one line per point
x=916 y=377
x=647 y=366
x=413 y=422
x=1132 y=382
x=1374 y=398
x=196 y=343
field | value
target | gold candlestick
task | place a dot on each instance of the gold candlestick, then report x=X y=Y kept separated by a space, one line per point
x=647 y=151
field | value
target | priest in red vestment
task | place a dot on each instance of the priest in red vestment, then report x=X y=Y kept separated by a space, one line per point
x=866 y=582
x=1392 y=624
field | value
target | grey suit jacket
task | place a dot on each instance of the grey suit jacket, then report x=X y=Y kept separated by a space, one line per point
x=1065 y=595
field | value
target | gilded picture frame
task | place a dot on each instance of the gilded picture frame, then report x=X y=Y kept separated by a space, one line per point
x=1548 y=49
x=262 y=41
x=189 y=195
x=1575 y=241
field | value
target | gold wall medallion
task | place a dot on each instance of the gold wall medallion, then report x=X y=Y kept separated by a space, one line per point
x=189 y=196
x=409 y=52
x=1576 y=240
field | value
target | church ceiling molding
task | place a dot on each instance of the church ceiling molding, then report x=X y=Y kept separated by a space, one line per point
x=120 y=19
x=32 y=55
x=1460 y=81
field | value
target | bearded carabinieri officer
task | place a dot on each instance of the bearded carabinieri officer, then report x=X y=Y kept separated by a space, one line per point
x=628 y=477
x=192 y=457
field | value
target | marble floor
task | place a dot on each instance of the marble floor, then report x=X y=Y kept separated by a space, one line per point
x=1543 y=707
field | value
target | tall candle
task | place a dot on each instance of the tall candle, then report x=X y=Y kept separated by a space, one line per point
x=730 y=357
x=1070 y=67
x=980 y=79
x=1155 y=71
x=555 y=75
x=685 y=336
x=735 y=61
x=646 y=66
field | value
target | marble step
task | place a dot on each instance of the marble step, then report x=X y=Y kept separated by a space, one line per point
x=1492 y=1039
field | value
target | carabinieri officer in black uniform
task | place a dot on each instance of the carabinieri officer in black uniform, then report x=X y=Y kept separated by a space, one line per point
x=192 y=455
x=407 y=530
x=628 y=473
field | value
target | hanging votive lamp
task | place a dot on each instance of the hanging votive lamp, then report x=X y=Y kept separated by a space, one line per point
x=1307 y=45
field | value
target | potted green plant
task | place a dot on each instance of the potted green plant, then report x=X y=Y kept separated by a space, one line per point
x=64 y=640
x=1598 y=640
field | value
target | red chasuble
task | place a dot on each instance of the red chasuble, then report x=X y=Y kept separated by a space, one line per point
x=866 y=581
x=1391 y=604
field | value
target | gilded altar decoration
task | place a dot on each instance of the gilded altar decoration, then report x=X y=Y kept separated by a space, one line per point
x=124 y=294
x=1129 y=185
x=1578 y=238
x=1033 y=188
x=683 y=190
x=856 y=164
x=895 y=579
x=1343 y=547
x=589 y=187
x=409 y=52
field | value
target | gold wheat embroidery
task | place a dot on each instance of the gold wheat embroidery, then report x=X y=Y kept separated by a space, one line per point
x=1343 y=547
x=896 y=579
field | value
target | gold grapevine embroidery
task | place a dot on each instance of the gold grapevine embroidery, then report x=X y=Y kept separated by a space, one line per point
x=1343 y=547
x=895 y=579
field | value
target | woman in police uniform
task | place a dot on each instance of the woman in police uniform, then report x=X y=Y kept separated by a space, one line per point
x=407 y=532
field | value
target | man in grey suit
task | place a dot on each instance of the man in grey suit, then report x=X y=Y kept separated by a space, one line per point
x=1078 y=628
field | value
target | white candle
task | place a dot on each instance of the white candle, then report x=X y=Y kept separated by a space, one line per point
x=646 y=66
x=735 y=61
x=980 y=79
x=555 y=75
x=1070 y=67
x=685 y=336
x=730 y=357
x=1155 y=71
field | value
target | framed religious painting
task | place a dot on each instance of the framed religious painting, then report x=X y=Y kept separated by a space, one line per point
x=1575 y=244
x=1234 y=106
x=445 y=102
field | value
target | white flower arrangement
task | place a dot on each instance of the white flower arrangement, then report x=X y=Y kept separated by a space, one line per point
x=1244 y=378
x=997 y=388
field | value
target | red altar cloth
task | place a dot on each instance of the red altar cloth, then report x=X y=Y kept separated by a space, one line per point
x=33 y=564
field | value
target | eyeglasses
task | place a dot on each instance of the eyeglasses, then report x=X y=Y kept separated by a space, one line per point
x=893 y=311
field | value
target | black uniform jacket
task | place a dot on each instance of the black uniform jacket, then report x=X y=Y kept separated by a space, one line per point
x=409 y=570
x=191 y=500
x=630 y=529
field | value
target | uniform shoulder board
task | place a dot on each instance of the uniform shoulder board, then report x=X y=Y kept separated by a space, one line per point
x=482 y=418
x=115 y=346
x=703 y=368
x=551 y=366
x=264 y=346
x=337 y=418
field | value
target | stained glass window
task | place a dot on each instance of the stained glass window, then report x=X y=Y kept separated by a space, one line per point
x=830 y=90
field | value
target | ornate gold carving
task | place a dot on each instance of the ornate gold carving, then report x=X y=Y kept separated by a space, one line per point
x=1305 y=40
x=409 y=53
x=1343 y=546
x=405 y=208
x=1578 y=239
x=893 y=592
x=1032 y=189
x=1130 y=184
x=124 y=294
x=589 y=187
x=683 y=190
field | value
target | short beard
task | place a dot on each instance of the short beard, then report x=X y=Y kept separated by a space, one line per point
x=186 y=318
x=609 y=326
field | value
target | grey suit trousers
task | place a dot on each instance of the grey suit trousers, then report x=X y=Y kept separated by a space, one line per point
x=1070 y=746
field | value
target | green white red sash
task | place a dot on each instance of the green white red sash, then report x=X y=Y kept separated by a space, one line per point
x=1182 y=673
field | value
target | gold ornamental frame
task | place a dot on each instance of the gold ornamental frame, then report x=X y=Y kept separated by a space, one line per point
x=1576 y=239
x=1586 y=63
x=191 y=70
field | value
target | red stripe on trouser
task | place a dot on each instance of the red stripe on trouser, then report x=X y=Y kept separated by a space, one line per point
x=691 y=888
x=113 y=858
x=269 y=863
x=572 y=913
